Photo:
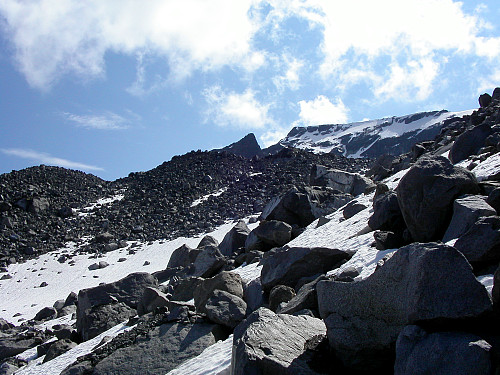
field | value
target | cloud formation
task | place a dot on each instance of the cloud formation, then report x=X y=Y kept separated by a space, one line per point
x=321 y=111
x=44 y=158
x=105 y=121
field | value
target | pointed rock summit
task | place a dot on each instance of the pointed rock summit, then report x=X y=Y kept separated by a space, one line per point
x=246 y=146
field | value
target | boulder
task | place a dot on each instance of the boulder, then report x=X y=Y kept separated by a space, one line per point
x=346 y=182
x=484 y=100
x=38 y=205
x=306 y=298
x=352 y=208
x=150 y=300
x=286 y=266
x=387 y=215
x=495 y=293
x=253 y=294
x=100 y=318
x=5 y=325
x=469 y=142
x=11 y=346
x=267 y=235
x=481 y=243
x=183 y=257
x=79 y=368
x=208 y=262
x=225 y=281
x=426 y=194
x=494 y=199
x=446 y=353
x=207 y=241
x=104 y=237
x=234 y=239
x=385 y=240
x=57 y=348
x=280 y=294
x=184 y=288
x=466 y=211
x=46 y=313
x=269 y=343
x=420 y=282
x=163 y=349
x=225 y=308
x=7 y=368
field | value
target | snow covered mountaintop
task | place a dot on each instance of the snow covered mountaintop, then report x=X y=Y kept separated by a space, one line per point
x=390 y=135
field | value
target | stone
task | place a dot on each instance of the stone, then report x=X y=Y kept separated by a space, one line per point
x=387 y=215
x=234 y=239
x=38 y=205
x=267 y=235
x=79 y=368
x=351 y=183
x=466 y=211
x=481 y=243
x=208 y=262
x=495 y=293
x=100 y=318
x=494 y=199
x=280 y=294
x=306 y=298
x=150 y=300
x=104 y=237
x=484 y=100
x=269 y=343
x=65 y=212
x=183 y=257
x=11 y=346
x=225 y=308
x=224 y=281
x=184 y=288
x=352 y=208
x=253 y=294
x=57 y=348
x=46 y=313
x=448 y=353
x=159 y=351
x=469 y=142
x=420 y=282
x=385 y=240
x=426 y=194
x=7 y=368
x=286 y=266
x=207 y=241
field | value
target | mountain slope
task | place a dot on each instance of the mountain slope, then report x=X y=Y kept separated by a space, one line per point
x=390 y=135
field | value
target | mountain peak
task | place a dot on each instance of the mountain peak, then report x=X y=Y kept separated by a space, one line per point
x=246 y=146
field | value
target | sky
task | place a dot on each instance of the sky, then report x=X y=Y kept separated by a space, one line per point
x=119 y=86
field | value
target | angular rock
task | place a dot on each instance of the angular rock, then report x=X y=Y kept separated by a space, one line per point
x=225 y=308
x=160 y=351
x=420 y=282
x=234 y=239
x=481 y=243
x=269 y=343
x=104 y=237
x=484 y=100
x=426 y=194
x=150 y=300
x=57 y=348
x=208 y=262
x=100 y=318
x=183 y=257
x=495 y=293
x=466 y=211
x=494 y=199
x=387 y=215
x=253 y=294
x=46 y=313
x=352 y=209
x=387 y=240
x=306 y=298
x=207 y=241
x=351 y=183
x=225 y=281
x=280 y=294
x=38 y=205
x=11 y=346
x=267 y=235
x=7 y=368
x=446 y=353
x=79 y=368
x=184 y=288
x=469 y=142
x=286 y=266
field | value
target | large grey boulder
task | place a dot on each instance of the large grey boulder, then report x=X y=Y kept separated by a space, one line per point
x=159 y=351
x=387 y=215
x=444 y=353
x=207 y=241
x=420 y=282
x=38 y=205
x=267 y=235
x=100 y=318
x=57 y=348
x=481 y=243
x=426 y=194
x=13 y=345
x=128 y=291
x=183 y=257
x=466 y=210
x=469 y=142
x=150 y=300
x=306 y=298
x=269 y=343
x=184 y=288
x=225 y=281
x=208 y=262
x=347 y=182
x=253 y=294
x=280 y=294
x=234 y=239
x=286 y=266
x=225 y=308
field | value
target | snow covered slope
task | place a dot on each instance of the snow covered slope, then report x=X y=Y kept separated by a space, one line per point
x=390 y=135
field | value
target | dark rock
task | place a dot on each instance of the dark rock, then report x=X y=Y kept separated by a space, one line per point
x=246 y=147
x=420 y=282
x=104 y=237
x=46 y=313
x=79 y=368
x=426 y=193
x=100 y=318
x=495 y=293
x=208 y=241
x=7 y=368
x=469 y=143
x=267 y=235
x=225 y=308
x=150 y=300
x=57 y=348
x=65 y=212
x=11 y=346
x=446 y=353
x=484 y=100
x=71 y=299
x=208 y=262
x=183 y=257
x=63 y=331
x=466 y=210
x=234 y=239
x=494 y=199
x=253 y=294
x=352 y=208
x=286 y=266
x=224 y=281
x=387 y=240
x=280 y=294
x=269 y=343
x=306 y=298
x=481 y=243
x=351 y=183
x=5 y=325
x=387 y=215
x=184 y=288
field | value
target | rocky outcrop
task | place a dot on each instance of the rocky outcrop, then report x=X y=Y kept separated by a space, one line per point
x=234 y=239
x=351 y=183
x=267 y=235
x=269 y=343
x=420 y=282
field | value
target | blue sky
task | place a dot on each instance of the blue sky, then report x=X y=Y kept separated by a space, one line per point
x=118 y=86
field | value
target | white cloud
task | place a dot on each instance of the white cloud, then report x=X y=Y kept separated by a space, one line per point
x=52 y=38
x=290 y=78
x=322 y=111
x=105 y=121
x=44 y=158
x=232 y=109
x=273 y=136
